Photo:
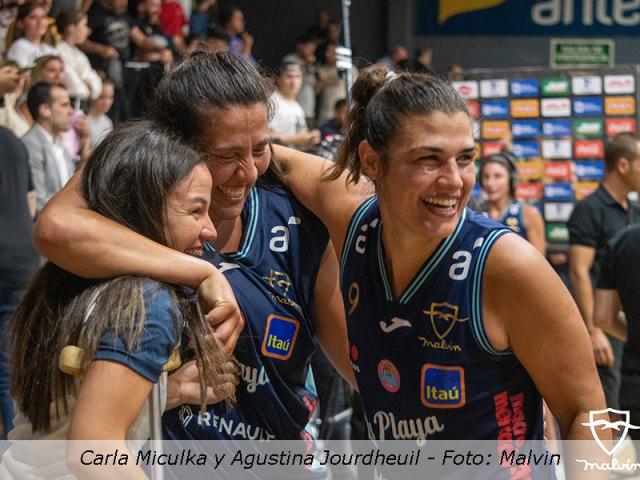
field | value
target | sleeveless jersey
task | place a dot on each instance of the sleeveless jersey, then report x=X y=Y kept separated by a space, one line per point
x=423 y=361
x=273 y=276
x=512 y=218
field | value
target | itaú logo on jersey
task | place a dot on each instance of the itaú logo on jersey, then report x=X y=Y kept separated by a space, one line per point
x=280 y=337
x=442 y=386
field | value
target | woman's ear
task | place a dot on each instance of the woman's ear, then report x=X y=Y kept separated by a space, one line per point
x=370 y=160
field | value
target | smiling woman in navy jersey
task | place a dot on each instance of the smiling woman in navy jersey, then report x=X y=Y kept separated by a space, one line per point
x=220 y=104
x=456 y=325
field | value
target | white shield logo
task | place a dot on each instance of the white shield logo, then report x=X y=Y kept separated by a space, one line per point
x=602 y=424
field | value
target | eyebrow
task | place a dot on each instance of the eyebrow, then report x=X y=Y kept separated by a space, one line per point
x=439 y=150
x=227 y=148
x=200 y=200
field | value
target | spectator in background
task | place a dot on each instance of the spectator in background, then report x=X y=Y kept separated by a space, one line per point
x=288 y=125
x=333 y=32
x=396 y=55
x=331 y=84
x=99 y=124
x=305 y=55
x=422 y=62
x=13 y=84
x=336 y=125
x=618 y=288
x=18 y=257
x=51 y=164
x=594 y=221
x=82 y=81
x=200 y=21
x=455 y=72
x=32 y=22
x=217 y=41
x=8 y=14
x=173 y=22
x=319 y=30
x=240 y=42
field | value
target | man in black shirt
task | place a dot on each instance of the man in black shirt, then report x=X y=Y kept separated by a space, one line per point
x=618 y=285
x=18 y=258
x=594 y=221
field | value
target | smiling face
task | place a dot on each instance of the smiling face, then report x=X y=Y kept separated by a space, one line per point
x=495 y=182
x=235 y=143
x=35 y=25
x=188 y=226
x=429 y=175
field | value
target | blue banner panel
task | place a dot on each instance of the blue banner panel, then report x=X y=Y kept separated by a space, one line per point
x=527 y=17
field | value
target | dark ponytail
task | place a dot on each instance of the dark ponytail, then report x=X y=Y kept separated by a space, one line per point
x=382 y=100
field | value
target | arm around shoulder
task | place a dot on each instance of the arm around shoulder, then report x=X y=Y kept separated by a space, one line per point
x=543 y=328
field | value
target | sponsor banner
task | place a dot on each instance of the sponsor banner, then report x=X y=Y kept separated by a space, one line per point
x=583 y=189
x=557 y=212
x=467 y=89
x=492 y=148
x=530 y=170
x=558 y=171
x=525 y=128
x=556 y=149
x=474 y=108
x=617 y=84
x=557 y=233
x=558 y=191
x=475 y=129
x=556 y=128
x=529 y=108
x=593 y=170
x=588 y=149
x=525 y=88
x=526 y=149
x=495 y=129
x=620 y=105
x=591 y=128
x=556 y=107
x=497 y=88
x=557 y=86
x=590 y=85
x=529 y=191
x=495 y=109
x=613 y=126
x=587 y=106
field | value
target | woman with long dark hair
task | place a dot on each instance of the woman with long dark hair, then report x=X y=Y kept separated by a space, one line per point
x=128 y=327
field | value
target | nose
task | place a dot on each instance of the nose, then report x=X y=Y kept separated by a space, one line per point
x=450 y=177
x=247 y=170
x=208 y=232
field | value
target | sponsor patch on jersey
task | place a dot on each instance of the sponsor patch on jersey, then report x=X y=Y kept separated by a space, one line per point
x=556 y=128
x=495 y=109
x=389 y=376
x=525 y=88
x=442 y=386
x=613 y=126
x=529 y=108
x=280 y=337
x=620 y=105
x=587 y=106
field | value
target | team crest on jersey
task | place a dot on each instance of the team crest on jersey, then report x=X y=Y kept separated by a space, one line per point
x=280 y=337
x=513 y=223
x=389 y=376
x=444 y=317
x=442 y=386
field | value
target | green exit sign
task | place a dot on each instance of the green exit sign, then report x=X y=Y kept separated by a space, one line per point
x=582 y=53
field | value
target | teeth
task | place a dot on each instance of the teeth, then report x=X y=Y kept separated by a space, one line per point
x=232 y=193
x=441 y=202
x=194 y=252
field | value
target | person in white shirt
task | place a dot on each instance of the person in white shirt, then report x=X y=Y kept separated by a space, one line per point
x=288 y=125
x=99 y=124
x=51 y=164
x=83 y=82
x=32 y=21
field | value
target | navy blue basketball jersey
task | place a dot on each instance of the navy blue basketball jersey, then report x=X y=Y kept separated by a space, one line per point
x=423 y=361
x=512 y=218
x=273 y=276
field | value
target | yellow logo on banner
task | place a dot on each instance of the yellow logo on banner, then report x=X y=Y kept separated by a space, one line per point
x=451 y=8
x=583 y=189
x=495 y=129
x=531 y=170
x=528 y=108
x=620 y=105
